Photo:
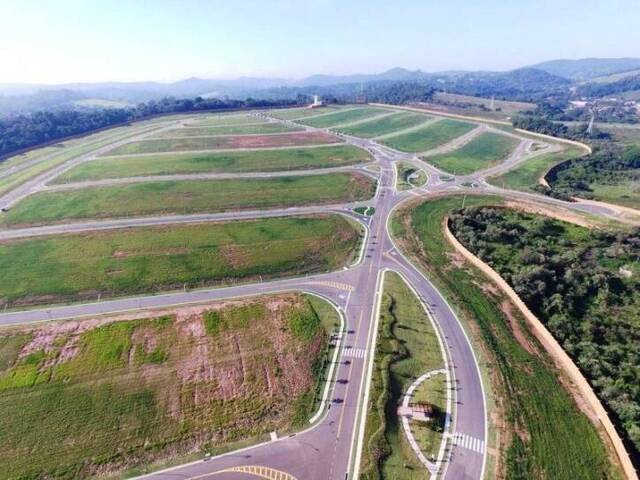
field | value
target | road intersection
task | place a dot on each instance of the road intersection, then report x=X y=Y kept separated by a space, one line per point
x=332 y=446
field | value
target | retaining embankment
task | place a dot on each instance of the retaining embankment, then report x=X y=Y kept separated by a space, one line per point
x=554 y=349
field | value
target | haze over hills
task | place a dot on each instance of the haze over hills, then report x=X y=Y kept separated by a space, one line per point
x=588 y=68
x=19 y=98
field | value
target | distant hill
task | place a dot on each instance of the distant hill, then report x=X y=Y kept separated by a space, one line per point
x=529 y=84
x=588 y=68
x=394 y=74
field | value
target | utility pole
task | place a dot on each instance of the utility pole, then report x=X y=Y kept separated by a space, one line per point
x=590 y=127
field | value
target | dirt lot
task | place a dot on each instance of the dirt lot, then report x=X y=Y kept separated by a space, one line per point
x=284 y=140
x=124 y=391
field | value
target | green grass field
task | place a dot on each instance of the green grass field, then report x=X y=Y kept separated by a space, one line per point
x=60 y=154
x=571 y=310
x=227 y=130
x=625 y=192
x=429 y=137
x=227 y=119
x=505 y=107
x=525 y=176
x=549 y=436
x=295 y=139
x=406 y=348
x=295 y=113
x=393 y=123
x=484 y=151
x=406 y=170
x=223 y=162
x=433 y=391
x=188 y=196
x=87 y=400
x=119 y=262
x=346 y=116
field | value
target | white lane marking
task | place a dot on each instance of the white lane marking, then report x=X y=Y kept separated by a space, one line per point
x=468 y=442
x=355 y=352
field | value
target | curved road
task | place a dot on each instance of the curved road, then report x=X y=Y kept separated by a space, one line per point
x=331 y=448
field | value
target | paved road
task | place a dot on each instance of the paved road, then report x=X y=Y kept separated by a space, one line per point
x=330 y=448
x=327 y=450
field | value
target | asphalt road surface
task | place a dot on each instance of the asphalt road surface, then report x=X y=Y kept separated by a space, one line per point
x=330 y=448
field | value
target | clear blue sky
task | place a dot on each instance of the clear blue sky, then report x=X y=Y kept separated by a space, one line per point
x=53 y=41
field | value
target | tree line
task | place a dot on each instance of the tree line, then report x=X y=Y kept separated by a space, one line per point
x=574 y=281
x=609 y=163
x=29 y=130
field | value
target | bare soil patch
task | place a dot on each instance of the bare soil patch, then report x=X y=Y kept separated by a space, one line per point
x=284 y=140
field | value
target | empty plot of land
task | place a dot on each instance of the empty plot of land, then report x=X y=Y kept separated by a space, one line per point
x=346 y=116
x=483 y=151
x=624 y=190
x=431 y=136
x=189 y=196
x=229 y=119
x=117 y=262
x=504 y=106
x=392 y=123
x=224 y=143
x=124 y=391
x=259 y=128
x=293 y=113
x=222 y=162
x=526 y=176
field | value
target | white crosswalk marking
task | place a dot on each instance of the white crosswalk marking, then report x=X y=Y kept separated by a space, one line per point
x=468 y=442
x=355 y=352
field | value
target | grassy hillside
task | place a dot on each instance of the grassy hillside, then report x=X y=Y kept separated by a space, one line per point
x=429 y=137
x=226 y=130
x=224 y=142
x=544 y=432
x=383 y=126
x=223 y=162
x=573 y=280
x=188 y=196
x=119 y=262
x=93 y=397
x=407 y=347
x=342 y=117
x=482 y=152
x=526 y=176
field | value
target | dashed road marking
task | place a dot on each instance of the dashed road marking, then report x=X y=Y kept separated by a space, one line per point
x=355 y=352
x=468 y=442
x=338 y=285
x=256 y=470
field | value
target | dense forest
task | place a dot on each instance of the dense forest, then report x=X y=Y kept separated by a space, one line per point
x=542 y=123
x=612 y=88
x=584 y=286
x=24 y=131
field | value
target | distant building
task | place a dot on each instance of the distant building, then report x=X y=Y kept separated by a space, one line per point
x=317 y=102
x=578 y=104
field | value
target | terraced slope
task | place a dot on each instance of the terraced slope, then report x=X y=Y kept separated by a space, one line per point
x=392 y=123
x=224 y=143
x=484 y=151
x=346 y=116
x=107 y=394
x=223 y=162
x=188 y=196
x=109 y=263
x=429 y=137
